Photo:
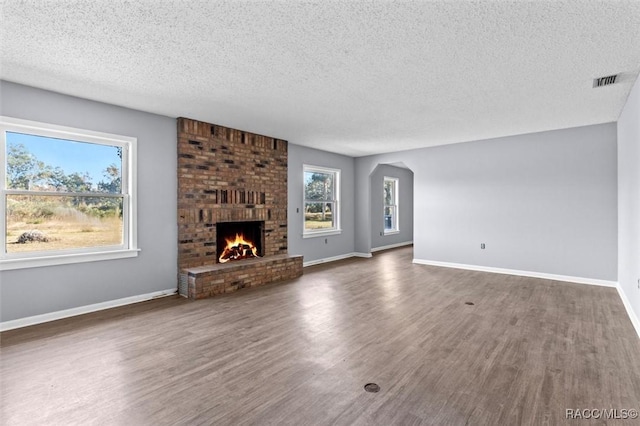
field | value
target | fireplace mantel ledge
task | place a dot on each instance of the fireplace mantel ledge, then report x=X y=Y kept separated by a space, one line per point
x=237 y=264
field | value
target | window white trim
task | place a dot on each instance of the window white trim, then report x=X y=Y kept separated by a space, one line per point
x=396 y=207
x=335 y=229
x=129 y=247
x=321 y=233
x=64 y=259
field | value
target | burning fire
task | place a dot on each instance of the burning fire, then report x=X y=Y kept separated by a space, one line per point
x=238 y=248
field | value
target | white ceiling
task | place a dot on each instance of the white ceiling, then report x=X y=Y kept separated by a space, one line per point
x=356 y=78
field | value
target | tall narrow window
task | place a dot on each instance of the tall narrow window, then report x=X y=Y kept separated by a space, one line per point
x=321 y=200
x=391 y=205
x=65 y=192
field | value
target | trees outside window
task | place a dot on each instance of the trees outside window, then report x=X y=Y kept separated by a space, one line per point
x=321 y=201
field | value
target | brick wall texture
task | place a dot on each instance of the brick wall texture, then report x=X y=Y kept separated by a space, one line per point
x=227 y=175
x=204 y=282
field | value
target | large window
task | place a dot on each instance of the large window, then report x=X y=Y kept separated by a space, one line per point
x=67 y=195
x=391 y=205
x=321 y=201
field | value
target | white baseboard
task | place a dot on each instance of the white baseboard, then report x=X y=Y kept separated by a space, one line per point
x=390 y=246
x=52 y=316
x=334 y=258
x=627 y=305
x=365 y=255
x=567 y=278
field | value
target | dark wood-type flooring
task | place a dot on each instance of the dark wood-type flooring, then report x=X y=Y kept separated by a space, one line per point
x=300 y=352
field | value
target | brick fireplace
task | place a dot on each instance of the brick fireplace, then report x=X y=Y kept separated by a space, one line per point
x=231 y=184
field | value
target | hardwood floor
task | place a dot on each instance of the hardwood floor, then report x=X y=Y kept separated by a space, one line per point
x=300 y=353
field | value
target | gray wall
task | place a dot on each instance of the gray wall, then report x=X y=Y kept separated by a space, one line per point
x=405 y=205
x=629 y=199
x=34 y=291
x=316 y=248
x=543 y=202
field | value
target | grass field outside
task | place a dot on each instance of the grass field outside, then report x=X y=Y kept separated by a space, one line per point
x=66 y=222
x=315 y=221
x=65 y=233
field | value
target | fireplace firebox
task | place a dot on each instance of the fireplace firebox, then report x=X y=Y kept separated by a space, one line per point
x=239 y=240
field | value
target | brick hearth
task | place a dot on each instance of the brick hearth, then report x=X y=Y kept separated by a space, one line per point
x=227 y=175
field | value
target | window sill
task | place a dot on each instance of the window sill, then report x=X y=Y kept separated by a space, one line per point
x=313 y=234
x=65 y=259
x=391 y=232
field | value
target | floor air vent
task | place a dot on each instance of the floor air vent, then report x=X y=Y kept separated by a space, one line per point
x=605 y=81
x=183 y=285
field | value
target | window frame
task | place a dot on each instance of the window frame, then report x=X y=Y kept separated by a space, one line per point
x=395 y=207
x=129 y=246
x=335 y=229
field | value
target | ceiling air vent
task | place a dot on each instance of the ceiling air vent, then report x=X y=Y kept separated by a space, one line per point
x=605 y=81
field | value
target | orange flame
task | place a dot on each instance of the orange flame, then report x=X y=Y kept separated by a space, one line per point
x=238 y=248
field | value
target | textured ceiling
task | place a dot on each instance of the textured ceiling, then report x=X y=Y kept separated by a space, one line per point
x=351 y=77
